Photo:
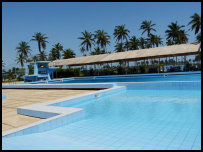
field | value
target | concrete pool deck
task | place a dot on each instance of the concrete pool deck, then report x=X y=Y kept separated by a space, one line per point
x=22 y=97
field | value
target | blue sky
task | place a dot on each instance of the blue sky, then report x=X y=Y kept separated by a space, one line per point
x=64 y=22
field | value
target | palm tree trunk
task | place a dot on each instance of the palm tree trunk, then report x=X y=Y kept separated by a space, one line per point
x=39 y=46
x=90 y=50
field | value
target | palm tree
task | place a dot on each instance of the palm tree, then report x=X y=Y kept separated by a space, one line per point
x=34 y=58
x=23 y=48
x=151 y=41
x=57 y=48
x=10 y=74
x=127 y=45
x=147 y=26
x=195 y=22
x=87 y=40
x=175 y=34
x=142 y=43
x=98 y=51
x=183 y=37
x=21 y=59
x=82 y=50
x=41 y=40
x=134 y=43
x=68 y=53
x=169 y=42
x=198 y=38
x=121 y=33
x=15 y=70
x=158 y=40
x=52 y=55
x=154 y=40
x=42 y=56
x=119 y=47
x=102 y=38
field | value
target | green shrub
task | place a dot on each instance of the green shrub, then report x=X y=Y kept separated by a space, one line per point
x=142 y=69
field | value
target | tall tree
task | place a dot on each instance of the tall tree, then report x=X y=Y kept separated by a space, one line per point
x=154 y=40
x=151 y=40
x=57 y=49
x=134 y=43
x=10 y=74
x=41 y=40
x=127 y=45
x=142 y=43
x=121 y=33
x=34 y=58
x=42 y=56
x=98 y=51
x=183 y=37
x=198 y=38
x=102 y=38
x=14 y=70
x=52 y=55
x=23 y=48
x=82 y=50
x=20 y=59
x=169 y=42
x=119 y=47
x=68 y=53
x=147 y=26
x=176 y=34
x=87 y=40
x=195 y=23
x=158 y=40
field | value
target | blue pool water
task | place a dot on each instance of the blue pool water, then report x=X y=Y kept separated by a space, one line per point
x=146 y=78
x=129 y=119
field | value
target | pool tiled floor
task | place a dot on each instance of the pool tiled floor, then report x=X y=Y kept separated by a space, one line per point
x=152 y=120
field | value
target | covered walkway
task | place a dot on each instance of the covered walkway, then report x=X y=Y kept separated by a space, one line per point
x=134 y=55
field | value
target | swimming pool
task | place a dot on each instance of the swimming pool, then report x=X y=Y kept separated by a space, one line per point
x=182 y=76
x=128 y=119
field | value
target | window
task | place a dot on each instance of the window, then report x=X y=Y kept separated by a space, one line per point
x=31 y=70
x=42 y=72
x=42 y=66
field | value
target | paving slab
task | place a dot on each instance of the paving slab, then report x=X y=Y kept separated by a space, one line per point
x=23 y=97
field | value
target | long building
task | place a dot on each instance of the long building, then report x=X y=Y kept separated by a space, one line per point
x=133 y=55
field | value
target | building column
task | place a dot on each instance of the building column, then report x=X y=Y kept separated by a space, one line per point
x=26 y=69
x=36 y=72
x=159 y=65
x=176 y=60
x=185 y=61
